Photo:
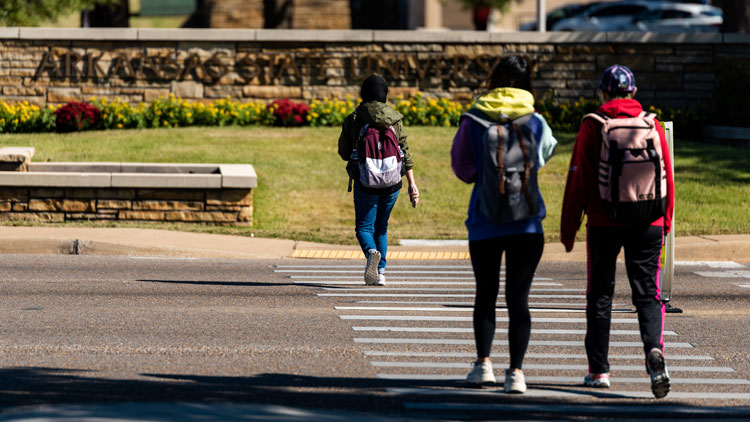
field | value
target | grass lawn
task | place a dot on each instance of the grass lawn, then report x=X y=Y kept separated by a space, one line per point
x=302 y=183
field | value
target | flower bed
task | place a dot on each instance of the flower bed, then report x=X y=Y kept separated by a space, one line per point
x=103 y=114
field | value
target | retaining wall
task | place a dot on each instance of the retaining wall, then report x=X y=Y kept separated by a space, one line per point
x=46 y=65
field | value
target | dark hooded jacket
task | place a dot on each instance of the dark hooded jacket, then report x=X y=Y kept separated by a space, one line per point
x=380 y=115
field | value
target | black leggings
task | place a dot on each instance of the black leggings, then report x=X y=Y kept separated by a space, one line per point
x=522 y=255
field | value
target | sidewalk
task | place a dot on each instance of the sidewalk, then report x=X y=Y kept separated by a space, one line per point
x=149 y=242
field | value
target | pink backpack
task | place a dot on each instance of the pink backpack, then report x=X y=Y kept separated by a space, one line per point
x=632 y=174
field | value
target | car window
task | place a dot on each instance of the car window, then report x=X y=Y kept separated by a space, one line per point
x=620 y=10
x=710 y=12
x=648 y=16
x=676 y=14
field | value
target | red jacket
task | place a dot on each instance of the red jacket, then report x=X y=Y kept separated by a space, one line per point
x=581 y=189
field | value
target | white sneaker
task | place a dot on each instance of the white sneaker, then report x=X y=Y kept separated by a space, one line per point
x=371 y=270
x=381 y=280
x=515 y=382
x=481 y=374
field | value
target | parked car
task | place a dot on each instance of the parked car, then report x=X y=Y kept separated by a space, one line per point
x=679 y=17
x=658 y=16
x=558 y=14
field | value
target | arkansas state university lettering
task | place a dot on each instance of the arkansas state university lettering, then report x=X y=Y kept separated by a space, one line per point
x=267 y=68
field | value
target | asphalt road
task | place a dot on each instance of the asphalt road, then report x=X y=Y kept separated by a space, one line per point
x=237 y=334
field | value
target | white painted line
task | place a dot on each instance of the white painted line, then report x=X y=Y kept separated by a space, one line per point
x=547 y=367
x=361 y=271
x=555 y=411
x=390 y=267
x=361 y=278
x=437 y=295
x=744 y=285
x=428 y=289
x=529 y=356
x=360 y=282
x=573 y=394
x=573 y=380
x=448 y=309
x=539 y=331
x=712 y=264
x=163 y=258
x=428 y=302
x=433 y=242
x=724 y=274
x=468 y=318
x=557 y=343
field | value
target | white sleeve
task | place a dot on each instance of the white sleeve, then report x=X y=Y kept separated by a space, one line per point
x=547 y=142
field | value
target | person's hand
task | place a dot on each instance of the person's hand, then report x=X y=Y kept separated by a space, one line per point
x=413 y=195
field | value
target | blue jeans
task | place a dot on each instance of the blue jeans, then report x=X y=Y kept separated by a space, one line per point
x=371 y=213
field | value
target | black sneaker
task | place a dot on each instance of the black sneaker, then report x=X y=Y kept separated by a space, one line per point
x=659 y=375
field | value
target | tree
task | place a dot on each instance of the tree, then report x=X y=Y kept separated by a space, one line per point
x=736 y=15
x=32 y=12
x=113 y=14
x=277 y=14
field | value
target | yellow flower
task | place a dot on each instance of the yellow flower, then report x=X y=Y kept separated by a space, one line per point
x=342 y=110
x=119 y=125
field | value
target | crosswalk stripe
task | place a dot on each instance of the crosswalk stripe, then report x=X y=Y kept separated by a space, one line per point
x=712 y=264
x=499 y=304
x=665 y=411
x=724 y=274
x=436 y=295
x=572 y=393
x=390 y=267
x=573 y=380
x=360 y=279
x=547 y=367
x=457 y=309
x=435 y=289
x=452 y=341
x=454 y=318
x=529 y=356
x=539 y=331
x=360 y=271
x=360 y=282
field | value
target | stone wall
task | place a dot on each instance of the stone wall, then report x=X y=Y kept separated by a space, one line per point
x=42 y=204
x=44 y=65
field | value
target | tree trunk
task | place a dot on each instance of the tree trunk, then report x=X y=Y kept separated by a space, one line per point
x=107 y=16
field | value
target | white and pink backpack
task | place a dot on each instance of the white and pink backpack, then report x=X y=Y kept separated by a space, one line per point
x=632 y=173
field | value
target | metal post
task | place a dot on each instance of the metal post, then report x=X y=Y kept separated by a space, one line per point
x=667 y=274
x=541 y=15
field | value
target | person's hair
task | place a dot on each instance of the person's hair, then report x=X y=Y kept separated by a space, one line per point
x=511 y=72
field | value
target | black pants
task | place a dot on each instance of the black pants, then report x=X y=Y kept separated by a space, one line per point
x=522 y=255
x=642 y=249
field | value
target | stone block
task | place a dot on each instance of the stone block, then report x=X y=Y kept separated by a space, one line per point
x=187 y=89
x=311 y=35
x=40 y=217
x=150 y=95
x=141 y=215
x=168 y=181
x=11 y=32
x=207 y=217
x=245 y=215
x=45 y=205
x=10 y=80
x=5 y=206
x=238 y=176
x=223 y=91
x=114 y=204
x=75 y=205
x=230 y=197
x=171 y=194
x=272 y=92
x=55 y=179
x=24 y=91
x=63 y=95
x=167 y=205
x=196 y=34
x=118 y=34
x=702 y=59
x=637 y=63
x=20 y=207
x=88 y=216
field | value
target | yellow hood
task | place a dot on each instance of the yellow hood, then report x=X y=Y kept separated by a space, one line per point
x=512 y=102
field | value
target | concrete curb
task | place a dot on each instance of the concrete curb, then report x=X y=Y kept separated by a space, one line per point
x=164 y=243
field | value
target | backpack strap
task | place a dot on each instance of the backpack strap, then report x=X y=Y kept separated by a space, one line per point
x=500 y=160
x=599 y=117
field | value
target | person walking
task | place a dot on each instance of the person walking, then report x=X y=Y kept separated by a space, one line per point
x=503 y=113
x=373 y=142
x=596 y=186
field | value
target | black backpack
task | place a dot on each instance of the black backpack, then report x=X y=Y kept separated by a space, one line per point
x=508 y=189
